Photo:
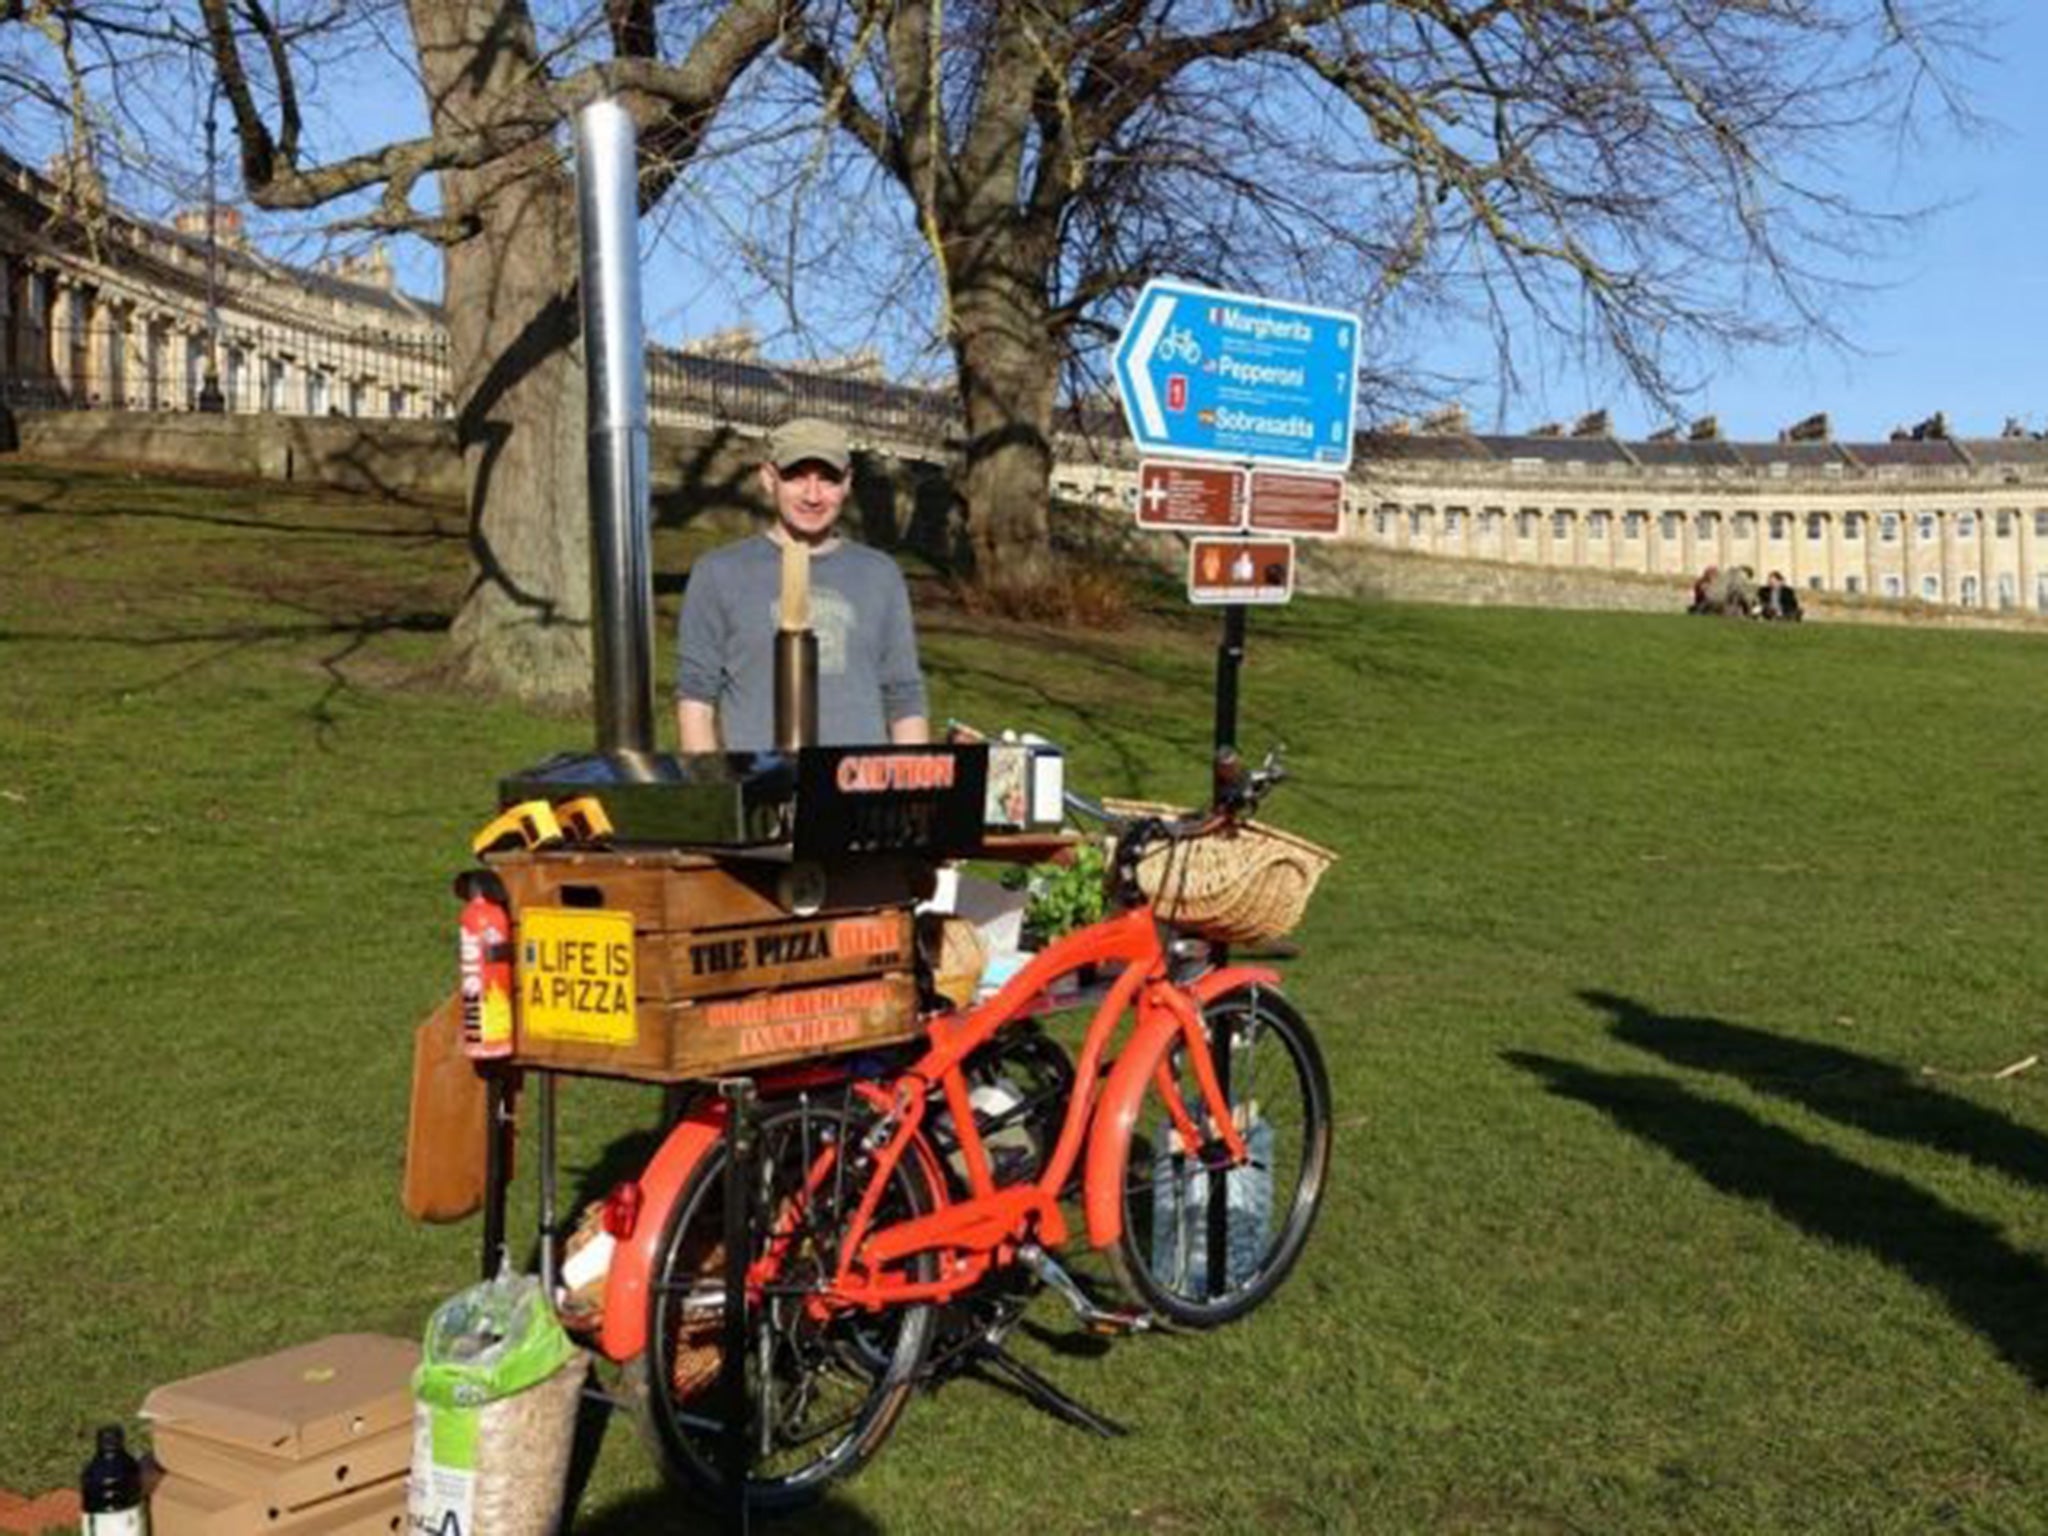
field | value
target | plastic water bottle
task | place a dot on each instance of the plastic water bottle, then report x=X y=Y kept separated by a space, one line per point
x=110 y=1490
x=1180 y=1211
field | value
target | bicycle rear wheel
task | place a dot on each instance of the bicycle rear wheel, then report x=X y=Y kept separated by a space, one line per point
x=823 y=1392
x=1203 y=1245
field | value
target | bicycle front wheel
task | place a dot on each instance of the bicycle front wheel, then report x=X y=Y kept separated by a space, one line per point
x=823 y=1392
x=1204 y=1243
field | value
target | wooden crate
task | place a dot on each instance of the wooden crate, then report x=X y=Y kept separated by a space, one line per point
x=725 y=976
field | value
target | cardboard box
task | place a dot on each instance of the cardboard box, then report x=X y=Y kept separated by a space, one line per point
x=287 y=1485
x=183 y=1506
x=298 y=1404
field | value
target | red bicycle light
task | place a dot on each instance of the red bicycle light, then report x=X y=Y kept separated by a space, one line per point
x=622 y=1210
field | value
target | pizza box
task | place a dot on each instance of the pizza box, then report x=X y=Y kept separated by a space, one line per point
x=183 y=1506
x=300 y=1403
x=283 y=1484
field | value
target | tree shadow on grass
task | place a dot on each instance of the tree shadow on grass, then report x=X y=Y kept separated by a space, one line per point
x=1865 y=1092
x=1984 y=1282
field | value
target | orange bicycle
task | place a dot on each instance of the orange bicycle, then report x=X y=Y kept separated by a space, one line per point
x=907 y=1206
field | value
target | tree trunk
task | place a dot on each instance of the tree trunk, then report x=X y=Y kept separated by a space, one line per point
x=524 y=627
x=1008 y=360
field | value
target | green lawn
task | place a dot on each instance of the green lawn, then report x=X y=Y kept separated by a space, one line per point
x=1664 y=981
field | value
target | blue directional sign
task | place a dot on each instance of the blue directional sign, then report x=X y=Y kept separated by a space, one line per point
x=1209 y=375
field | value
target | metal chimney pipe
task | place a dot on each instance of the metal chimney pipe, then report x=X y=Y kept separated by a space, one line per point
x=614 y=363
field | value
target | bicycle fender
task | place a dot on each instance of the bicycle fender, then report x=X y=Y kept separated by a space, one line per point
x=662 y=1182
x=1231 y=978
x=1110 y=1139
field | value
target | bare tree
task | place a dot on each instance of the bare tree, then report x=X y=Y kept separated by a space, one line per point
x=1644 y=177
x=488 y=184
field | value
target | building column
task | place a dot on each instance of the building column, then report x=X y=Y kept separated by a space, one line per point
x=10 y=311
x=1945 y=532
x=1987 y=551
x=101 y=317
x=2023 y=536
x=57 y=333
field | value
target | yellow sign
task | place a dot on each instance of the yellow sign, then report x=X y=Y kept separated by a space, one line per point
x=576 y=975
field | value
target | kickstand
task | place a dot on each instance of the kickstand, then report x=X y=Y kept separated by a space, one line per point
x=992 y=1358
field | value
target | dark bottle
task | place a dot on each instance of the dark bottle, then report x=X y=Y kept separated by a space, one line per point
x=110 y=1489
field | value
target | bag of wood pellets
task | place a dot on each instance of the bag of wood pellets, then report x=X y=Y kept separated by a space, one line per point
x=495 y=1401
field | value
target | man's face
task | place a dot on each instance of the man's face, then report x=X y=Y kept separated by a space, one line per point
x=807 y=497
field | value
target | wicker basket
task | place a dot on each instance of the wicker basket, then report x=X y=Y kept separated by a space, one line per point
x=1238 y=885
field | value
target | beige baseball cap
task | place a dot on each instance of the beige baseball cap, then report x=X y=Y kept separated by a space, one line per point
x=806 y=438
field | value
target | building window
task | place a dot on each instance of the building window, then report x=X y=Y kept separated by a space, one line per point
x=2005 y=524
x=1888 y=527
x=1383 y=522
x=1490 y=521
x=1852 y=584
x=1966 y=525
x=1560 y=527
x=1852 y=527
x=1703 y=526
x=2008 y=591
x=2041 y=591
x=1596 y=525
x=1744 y=525
x=1816 y=584
x=1454 y=521
x=1924 y=526
x=1781 y=527
x=2041 y=525
x=1418 y=520
x=1816 y=527
x=1967 y=592
x=1525 y=524
x=1894 y=586
x=316 y=392
x=1632 y=525
x=1930 y=587
x=1670 y=526
x=355 y=397
x=395 y=403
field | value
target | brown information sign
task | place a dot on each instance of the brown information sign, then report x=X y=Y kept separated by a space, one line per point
x=1240 y=570
x=1189 y=495
x=1307 y=505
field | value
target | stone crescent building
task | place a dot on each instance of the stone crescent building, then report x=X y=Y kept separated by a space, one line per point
x=100 y=309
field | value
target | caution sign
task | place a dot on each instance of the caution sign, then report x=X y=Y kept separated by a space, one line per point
x=1240 y=570
x=576 y=975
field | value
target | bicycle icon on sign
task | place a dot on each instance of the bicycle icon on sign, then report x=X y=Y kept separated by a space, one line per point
x=1179 y=346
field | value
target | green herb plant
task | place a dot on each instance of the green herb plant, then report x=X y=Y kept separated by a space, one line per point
x=1063 y=897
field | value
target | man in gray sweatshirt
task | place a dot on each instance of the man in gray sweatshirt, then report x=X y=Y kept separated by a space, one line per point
x=870 y=688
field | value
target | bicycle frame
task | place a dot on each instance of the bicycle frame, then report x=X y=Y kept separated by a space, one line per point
x=984 y=1230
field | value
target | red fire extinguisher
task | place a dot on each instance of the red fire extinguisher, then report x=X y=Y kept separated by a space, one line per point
x=485 y=953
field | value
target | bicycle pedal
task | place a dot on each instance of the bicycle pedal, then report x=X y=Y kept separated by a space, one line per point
x=1116 y=1325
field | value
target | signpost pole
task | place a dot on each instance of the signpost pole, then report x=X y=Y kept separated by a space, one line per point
x=1229 y=658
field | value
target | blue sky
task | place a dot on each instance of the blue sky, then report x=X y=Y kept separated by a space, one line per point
x=1958 y=321
x=1954 y=318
